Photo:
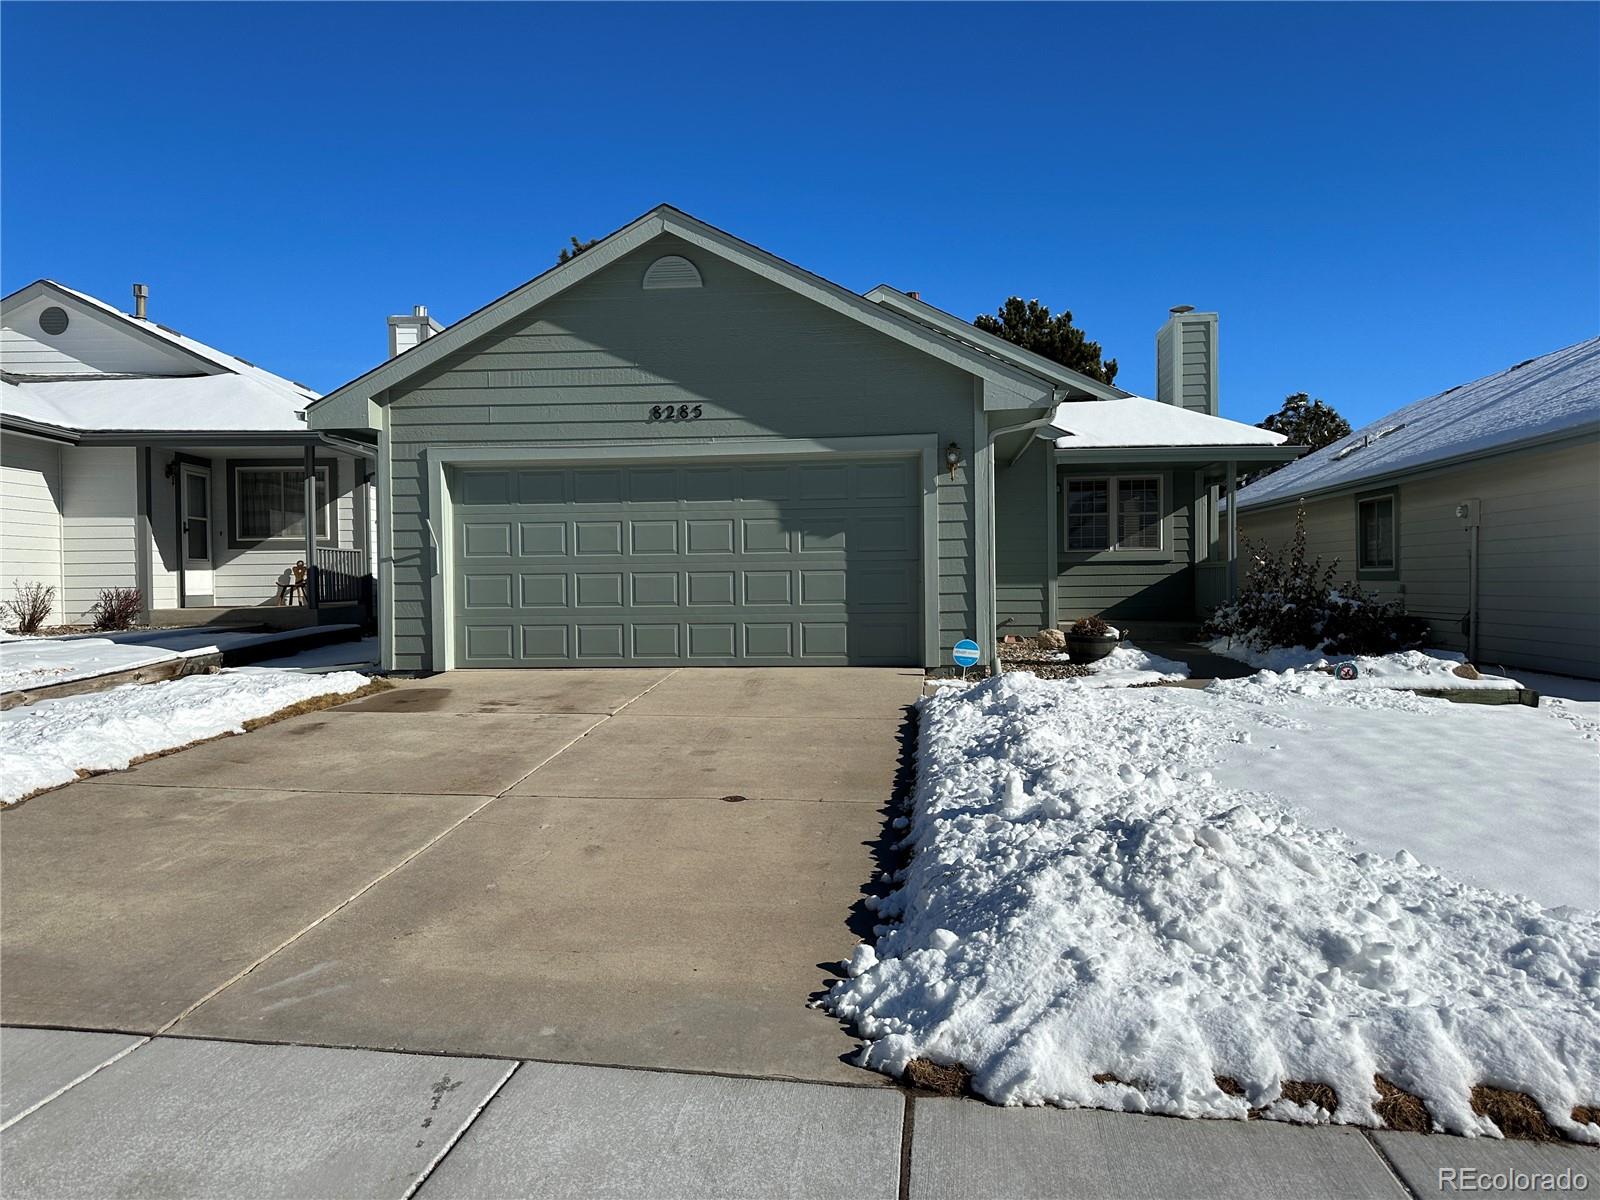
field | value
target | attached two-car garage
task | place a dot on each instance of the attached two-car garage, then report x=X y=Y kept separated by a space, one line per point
x=716 y=562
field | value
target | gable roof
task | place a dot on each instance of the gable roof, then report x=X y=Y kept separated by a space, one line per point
x=1140 y=422
x=953 y=326
x=1555 y=395
x=226 y=393
x=1015 y=386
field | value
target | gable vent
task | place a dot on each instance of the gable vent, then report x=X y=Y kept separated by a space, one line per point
x=53 y=320
x=673 y=271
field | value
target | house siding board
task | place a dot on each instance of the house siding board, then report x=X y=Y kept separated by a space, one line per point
x=1539 y=566
x=98 y=489
x=1021 y=587
x=762 y=362
x=30 y=504
x=1125 y=589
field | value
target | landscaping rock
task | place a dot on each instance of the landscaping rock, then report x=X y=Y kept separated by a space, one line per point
x=1052 y=639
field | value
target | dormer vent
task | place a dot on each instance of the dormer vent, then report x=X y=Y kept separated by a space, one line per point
x=673 y=271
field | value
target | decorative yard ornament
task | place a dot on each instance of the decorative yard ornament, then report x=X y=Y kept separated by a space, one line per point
x=952 y=458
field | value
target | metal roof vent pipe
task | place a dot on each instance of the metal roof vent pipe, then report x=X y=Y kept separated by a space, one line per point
x=915 y=295
x=141 y=298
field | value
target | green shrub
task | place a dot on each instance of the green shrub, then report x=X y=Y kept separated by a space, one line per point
x=1290 y=600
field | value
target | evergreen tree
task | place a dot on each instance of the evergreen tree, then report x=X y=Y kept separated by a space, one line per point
x=578 y=248
x=1029 y=324
x=1305 y=422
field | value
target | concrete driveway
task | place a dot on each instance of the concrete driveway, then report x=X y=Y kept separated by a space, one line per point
x=548 y=865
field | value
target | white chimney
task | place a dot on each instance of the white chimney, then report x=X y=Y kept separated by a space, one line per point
x=1186 y=360
x=406 y=332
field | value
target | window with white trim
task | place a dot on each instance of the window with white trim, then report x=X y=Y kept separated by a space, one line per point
x=1115 y=512
x=1375 y=541
x=269 y=503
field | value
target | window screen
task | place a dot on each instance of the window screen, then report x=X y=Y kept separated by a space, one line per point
x=1088 y=514
x=270 y=503
x=1376 y=552
x=1139 y=514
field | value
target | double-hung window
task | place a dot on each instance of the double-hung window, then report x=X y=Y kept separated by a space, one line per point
x=269 y=503
x=1375 y=535
x=1115 y=513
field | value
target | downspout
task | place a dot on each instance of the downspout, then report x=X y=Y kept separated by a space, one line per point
x=1233 y=531
x=992 y=636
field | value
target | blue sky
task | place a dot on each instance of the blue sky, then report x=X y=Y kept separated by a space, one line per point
x=1381 y=201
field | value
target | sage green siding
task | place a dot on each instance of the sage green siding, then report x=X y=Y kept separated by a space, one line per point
x=759 y=360
x=1142 y=586
x=1539 y=553
x=1022 y=543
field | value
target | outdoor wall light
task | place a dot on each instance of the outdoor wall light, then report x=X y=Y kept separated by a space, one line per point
x=952 y=456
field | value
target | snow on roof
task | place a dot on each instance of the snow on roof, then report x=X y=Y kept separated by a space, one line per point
x=244 y=397
x=1141 y=421
x=227 y=362
x=194 y=403
x=1556 y=393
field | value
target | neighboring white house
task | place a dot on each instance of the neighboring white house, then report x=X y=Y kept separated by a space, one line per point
x=133 y=456
x=1478 y=507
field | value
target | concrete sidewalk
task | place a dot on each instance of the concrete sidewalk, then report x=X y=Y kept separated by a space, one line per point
x=106 y=1115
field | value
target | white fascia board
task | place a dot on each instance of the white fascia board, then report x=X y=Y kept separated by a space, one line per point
x=344 y=410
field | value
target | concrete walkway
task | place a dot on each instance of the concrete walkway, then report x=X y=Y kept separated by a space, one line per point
x=645 y=868
x=97 y=1115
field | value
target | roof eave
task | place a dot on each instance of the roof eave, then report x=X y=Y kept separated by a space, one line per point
x=1582 y=433
x=1221 y=452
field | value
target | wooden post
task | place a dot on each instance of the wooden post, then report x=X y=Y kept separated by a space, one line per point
x=311 y=527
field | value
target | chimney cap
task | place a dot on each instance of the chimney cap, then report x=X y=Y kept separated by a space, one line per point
x=1178 y=310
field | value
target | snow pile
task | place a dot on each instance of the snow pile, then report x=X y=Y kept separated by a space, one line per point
x=1403 y=669
x=1128 y=665
x=1084 y=901
x=46 y=744
x=29 y=662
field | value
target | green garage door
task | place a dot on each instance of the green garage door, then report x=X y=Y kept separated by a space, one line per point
x=761 y=564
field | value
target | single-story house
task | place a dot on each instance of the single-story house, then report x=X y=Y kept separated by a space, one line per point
x=132 y=456
x=677 y=448
x=1478 y=507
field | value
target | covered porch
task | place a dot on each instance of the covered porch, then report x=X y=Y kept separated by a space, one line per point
x=223 y=537
x=1091 y=523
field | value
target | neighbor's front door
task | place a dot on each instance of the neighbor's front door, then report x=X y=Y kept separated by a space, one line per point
x=195 y=506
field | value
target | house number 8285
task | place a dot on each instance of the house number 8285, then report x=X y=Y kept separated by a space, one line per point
x=675 y=412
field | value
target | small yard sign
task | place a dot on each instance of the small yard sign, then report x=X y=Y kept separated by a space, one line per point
x=1345 y=670
x=966 y=653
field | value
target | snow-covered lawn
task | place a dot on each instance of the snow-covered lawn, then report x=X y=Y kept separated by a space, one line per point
x=47 y=744
x=30 y=662
x=1116 y=883
x=1411 y=669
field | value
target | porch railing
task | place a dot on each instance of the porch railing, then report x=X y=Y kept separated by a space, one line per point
x=340 y=579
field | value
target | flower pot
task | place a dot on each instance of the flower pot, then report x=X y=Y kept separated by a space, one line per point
x=1088 y=648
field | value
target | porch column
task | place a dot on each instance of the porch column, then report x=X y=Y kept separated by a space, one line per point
x=311 y=527
x=1233 y=530
x=143 y=532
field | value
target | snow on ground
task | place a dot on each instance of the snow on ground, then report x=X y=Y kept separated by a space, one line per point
x=46 y=744
x=28 y=662
x=1128 y=665
x=1086 y=898
x=360 y=655
x=1403 y=669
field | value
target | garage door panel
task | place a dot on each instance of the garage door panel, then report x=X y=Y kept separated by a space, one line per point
x=757 y=562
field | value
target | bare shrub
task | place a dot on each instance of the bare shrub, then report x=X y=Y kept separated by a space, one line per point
x=30 y=605
x=117 y=608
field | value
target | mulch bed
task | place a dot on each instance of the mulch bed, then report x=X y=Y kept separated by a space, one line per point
x=1031 y=657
